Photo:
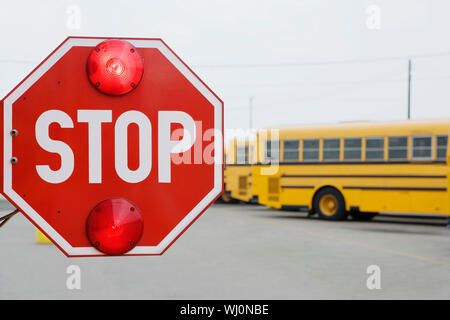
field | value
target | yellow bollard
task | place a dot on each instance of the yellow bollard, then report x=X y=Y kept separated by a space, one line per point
x=41 y=238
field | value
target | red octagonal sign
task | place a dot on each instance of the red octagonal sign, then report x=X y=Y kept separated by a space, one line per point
x=112 y=146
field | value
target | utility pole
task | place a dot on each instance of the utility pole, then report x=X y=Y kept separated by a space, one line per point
x=409 y=89
x=250 y=113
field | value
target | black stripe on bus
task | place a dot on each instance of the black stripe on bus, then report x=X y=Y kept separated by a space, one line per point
x=359 y=176
x=297 y=187
x=239 y=165
x=395 y=188
x=291 y=163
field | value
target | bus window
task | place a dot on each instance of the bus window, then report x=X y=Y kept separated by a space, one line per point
x=331 y=149
x=421 y=147
x=398 y=148
x=441 y=147
x=227 y=158
x=272 y=150
x=251 y=154
x=242 y=154
x=310 y=149
x=291 y=150
x=352 y=148
x=375 y=148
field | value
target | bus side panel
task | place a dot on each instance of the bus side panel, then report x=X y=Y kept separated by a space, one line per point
x=378 y=201
x=352 y=198
x=297 y=197
x=239 y=182
x=267 y=187
x=430 y=202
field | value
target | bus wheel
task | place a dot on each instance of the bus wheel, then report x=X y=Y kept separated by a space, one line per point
x=226 y=197
x=330 y=205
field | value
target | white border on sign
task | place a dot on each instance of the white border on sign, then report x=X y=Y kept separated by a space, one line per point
x=39 y=72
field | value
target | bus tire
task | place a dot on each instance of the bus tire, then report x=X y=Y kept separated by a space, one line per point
x=226 y=197
x=330 y=205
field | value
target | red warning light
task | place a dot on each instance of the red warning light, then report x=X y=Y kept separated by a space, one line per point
x=114 y=226
x=115 y=67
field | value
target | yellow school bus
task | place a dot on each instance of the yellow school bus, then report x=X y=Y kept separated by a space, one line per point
x=356 y=168
x=240 y=156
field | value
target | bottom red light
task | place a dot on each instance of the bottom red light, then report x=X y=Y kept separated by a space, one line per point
x=114 y=226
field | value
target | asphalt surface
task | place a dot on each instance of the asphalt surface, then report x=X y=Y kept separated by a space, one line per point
x=244 y=252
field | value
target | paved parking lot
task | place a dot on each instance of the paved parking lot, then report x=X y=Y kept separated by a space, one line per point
x=244 y=252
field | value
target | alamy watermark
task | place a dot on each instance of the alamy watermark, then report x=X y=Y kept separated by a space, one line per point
x=373 y=17
x=73 y=21
x=73 y=281
x=373 y=282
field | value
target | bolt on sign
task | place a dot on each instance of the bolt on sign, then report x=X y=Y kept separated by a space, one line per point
x=112 y=146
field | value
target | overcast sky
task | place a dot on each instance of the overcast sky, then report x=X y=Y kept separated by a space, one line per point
x=258 y=48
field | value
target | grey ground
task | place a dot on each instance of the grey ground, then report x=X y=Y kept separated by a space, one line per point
x=244 y=252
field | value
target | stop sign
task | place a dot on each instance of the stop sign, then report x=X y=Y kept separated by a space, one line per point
x=112 y=146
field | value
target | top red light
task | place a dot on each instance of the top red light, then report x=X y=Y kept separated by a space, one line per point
x=115 y=67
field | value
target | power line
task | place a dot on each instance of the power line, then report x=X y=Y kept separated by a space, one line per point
x=327 y=83
x=310 y=83
x=317 y=63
